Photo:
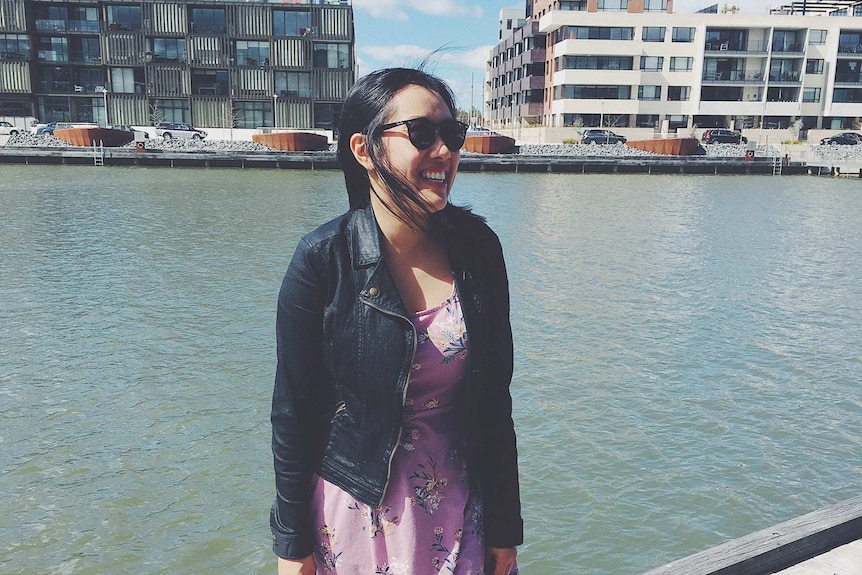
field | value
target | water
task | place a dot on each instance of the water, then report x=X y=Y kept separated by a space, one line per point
x=689 y=355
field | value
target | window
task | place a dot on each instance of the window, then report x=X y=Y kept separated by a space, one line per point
x=576 y=92
x=653 y=33
x=682 y=35
x=291 y=22
x=594 y=63
x=250 y=53
x=848 y=95
x=681 y=63
x=125 y=18
x=594 y=33
x=293 y=84
x=676 y=121
x=253 y=114
x=83 y=19
x=176 y=111
x=646 y=121
x=14 y=47
x=52 y=49
x=327 y=116
x=849 y=42
x=332 y=56
x=848 y=71
x=613 y=5
x=655 y=5
x=207 y=21
x=573 y=5
x=209 y=82
x=817 y=37
x=169 y=50
x=814 y=66
x=811 y=94
x=127 y=80
x=652 y=63
x=652 y=93
x=678 y=93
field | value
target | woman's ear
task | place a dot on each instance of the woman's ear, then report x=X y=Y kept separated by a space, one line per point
x=359 y=147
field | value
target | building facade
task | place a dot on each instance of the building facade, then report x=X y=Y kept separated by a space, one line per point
x=210 y=63
x=657 y=69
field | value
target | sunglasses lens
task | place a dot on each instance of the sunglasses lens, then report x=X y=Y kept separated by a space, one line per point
x=422 y=133
x=453 y=133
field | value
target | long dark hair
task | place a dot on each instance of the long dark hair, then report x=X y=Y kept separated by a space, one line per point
x=365 y=109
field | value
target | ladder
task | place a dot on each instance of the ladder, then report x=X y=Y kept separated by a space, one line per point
x=776 y=165
x=98 y=153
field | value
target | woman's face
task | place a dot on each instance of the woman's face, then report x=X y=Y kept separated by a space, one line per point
x=432 y=170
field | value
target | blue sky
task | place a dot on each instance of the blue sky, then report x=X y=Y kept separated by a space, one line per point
x=404 y=32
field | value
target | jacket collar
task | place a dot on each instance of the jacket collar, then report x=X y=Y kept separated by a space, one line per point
x=364 y=238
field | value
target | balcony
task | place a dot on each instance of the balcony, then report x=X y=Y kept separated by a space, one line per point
x=791 y=77
x=849 y=51
x=731 y=77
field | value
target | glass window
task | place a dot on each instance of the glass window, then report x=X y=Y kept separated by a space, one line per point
x=250 y=53
x=646 y=121
x=253 y=114
x=678 y=93
x=676 y=121
x=293 y=84
x=814 y=66
x=125 y=18
x=682 y=35
x=127 y=80
x=169 y=49
x=574 y=5
x=817 y=37
x=291 y=22
x=652 y=63
x=594 y=33
x=653 y=33
x=655 y=5
x=594 y=63
x=50 y=49
x=681 y=63
x=649 y=93
x=207 y=21
x=332 y=56
x=577 y=92
x=613 y=5
x=169 y=110
x=811 y=94
x=210 y=82
x=14 y=47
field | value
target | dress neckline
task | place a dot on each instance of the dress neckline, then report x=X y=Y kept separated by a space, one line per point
x=425 y=312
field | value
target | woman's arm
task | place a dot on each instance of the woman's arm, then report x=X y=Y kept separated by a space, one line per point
x=299 y=403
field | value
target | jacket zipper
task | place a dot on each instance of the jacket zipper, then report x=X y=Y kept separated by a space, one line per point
x=403 y=399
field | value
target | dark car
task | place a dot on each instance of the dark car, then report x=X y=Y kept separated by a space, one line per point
x=844 y=139
x=722 y=136
x=47 y=129
x=602 y=137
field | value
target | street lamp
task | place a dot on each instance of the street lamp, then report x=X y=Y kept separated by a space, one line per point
x=105 y=99
x=274 y=111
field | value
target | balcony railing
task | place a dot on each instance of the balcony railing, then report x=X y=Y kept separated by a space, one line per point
x=731 y=78
x=792 y=77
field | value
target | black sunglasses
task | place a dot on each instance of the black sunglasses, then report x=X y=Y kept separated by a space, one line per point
x=423 y=132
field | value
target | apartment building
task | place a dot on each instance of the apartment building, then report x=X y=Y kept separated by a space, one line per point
x=610 y=63
x=211 y=63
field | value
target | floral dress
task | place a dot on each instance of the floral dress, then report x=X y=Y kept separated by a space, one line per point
x=430 y=520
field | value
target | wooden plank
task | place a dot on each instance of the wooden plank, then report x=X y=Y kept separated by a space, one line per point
x=776 y=548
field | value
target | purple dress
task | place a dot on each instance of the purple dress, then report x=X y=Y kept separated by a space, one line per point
x=430 y=520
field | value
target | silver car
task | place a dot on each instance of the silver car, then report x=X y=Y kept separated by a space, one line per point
x=170 y=130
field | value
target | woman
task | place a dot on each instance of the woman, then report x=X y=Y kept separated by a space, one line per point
x=393 y=439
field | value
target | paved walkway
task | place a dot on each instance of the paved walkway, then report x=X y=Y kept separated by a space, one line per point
x=844 y=560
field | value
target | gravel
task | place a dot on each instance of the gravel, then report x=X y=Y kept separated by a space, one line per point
x=821 y=153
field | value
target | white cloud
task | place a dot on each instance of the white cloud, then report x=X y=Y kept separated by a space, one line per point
x=397 y=9
x=411 y=55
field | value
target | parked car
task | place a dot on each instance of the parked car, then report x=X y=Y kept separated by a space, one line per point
x=47 y=129
x=602 y=137
x=844 y=138
x=168 y=130
x=7 y=129
x=136 y=134
x=722 y=136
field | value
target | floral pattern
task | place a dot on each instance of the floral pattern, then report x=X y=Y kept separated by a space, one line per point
x=430 y=520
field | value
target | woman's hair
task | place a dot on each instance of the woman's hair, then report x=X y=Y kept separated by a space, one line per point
x=365 y=109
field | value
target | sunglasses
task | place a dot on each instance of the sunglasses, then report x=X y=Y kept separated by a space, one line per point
x=423 y=132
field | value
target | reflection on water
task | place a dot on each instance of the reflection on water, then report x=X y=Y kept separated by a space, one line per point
x=688 y=360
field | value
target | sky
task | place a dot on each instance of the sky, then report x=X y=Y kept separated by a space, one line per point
x=406 y=32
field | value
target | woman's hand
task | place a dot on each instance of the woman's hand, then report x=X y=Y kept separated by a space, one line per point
x=499 y=561
x=305 y=566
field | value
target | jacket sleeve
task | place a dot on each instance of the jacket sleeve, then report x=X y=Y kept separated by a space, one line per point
x=504 y=526
x=298 y=402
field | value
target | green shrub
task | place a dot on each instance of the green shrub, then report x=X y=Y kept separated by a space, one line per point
x=570 y=141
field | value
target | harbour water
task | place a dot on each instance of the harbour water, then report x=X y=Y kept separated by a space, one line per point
x=689 y=360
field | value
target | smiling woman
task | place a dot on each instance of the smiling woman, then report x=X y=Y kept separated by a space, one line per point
x=392 y=327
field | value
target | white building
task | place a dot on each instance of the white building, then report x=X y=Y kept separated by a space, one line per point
x=661 y=70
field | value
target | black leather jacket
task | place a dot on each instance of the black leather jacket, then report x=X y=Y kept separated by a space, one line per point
x=345 y=347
